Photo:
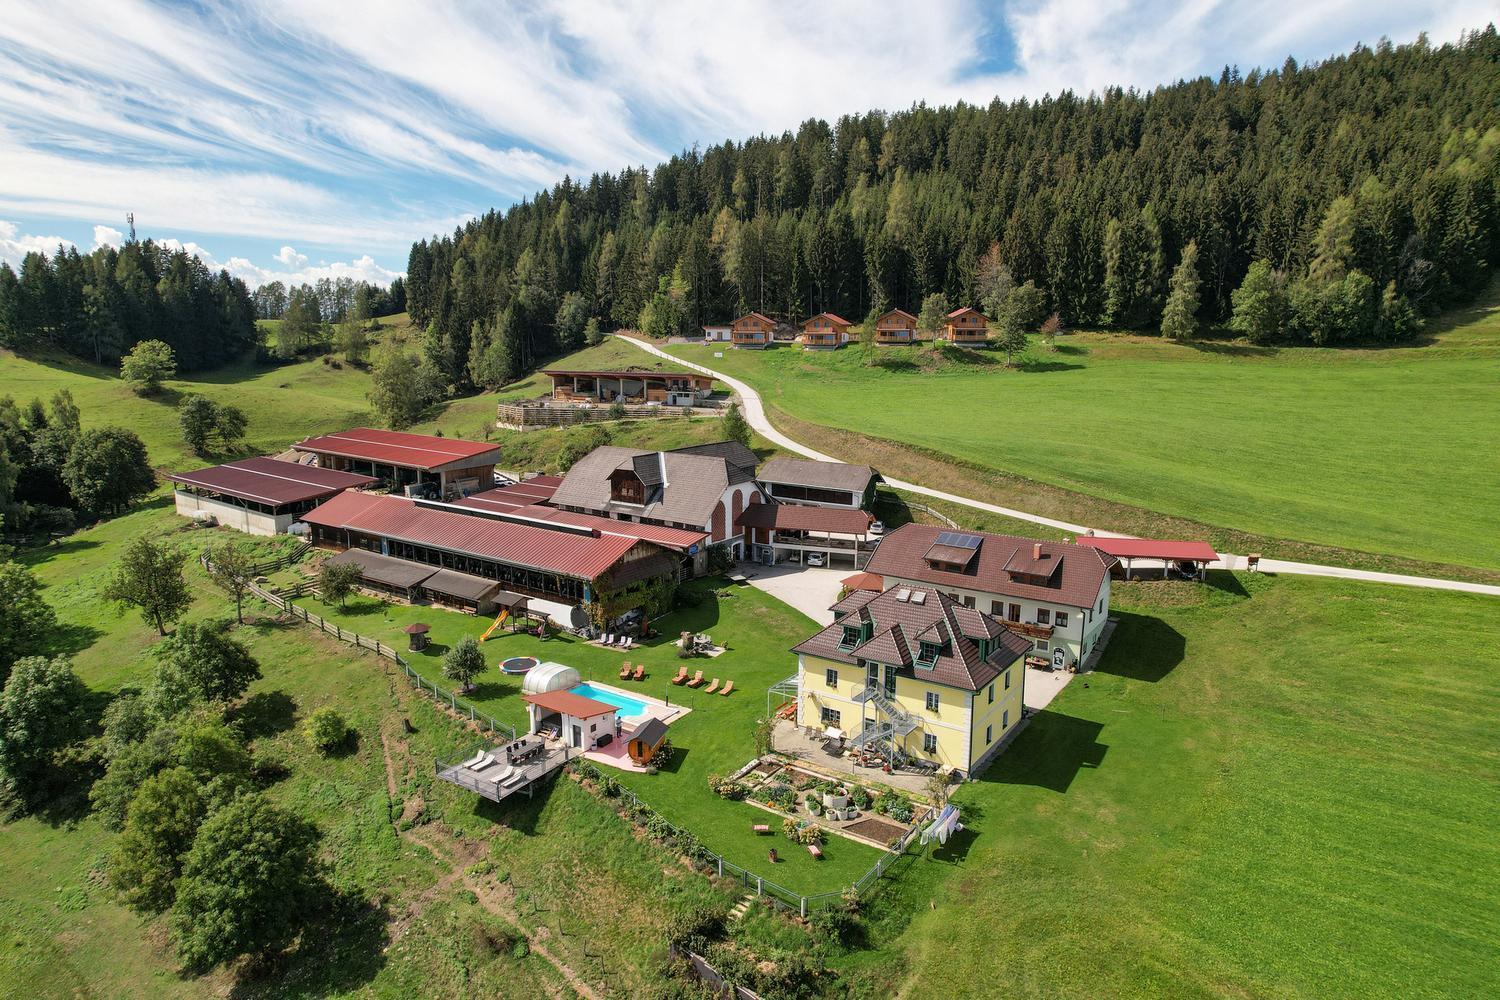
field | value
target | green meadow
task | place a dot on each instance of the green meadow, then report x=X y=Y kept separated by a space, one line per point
x=1386 y=451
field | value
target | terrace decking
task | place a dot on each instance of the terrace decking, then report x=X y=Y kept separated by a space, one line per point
x=498 y=782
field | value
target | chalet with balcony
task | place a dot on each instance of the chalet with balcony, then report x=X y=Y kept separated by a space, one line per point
x=752 y=331
x=966 y=326
x=631 y=386
x=825 y=332
x=896 y=327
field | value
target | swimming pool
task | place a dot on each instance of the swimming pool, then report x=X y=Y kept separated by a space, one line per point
x=627 y=705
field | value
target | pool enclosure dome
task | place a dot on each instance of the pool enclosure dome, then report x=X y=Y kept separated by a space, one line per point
x=550 y=676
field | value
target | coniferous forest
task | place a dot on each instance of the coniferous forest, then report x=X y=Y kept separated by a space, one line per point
x=1349 y=198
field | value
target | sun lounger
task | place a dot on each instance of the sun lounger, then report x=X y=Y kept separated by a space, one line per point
x=761 y=828
x=712 y=687
x=815 y=851
x=697 y=679
x=640 y=672
x=627 y=643
x=473 y=760
x=727 y=688
x=625 y=671
x=519 y=778
x=607 y=639
x=681 y=677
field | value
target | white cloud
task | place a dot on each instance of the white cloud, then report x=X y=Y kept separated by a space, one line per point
x=363 y=126
x=294 y=269
x=14 y=246
x=291 y=258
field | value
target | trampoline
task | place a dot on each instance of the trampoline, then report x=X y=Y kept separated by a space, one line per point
x=518 y=664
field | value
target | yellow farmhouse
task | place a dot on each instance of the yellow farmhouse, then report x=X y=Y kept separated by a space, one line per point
x=911 y=673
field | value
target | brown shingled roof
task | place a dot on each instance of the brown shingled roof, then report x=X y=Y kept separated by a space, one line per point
x=1080 y=570
x=900 y=624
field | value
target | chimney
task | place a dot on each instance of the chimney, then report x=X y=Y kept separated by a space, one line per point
x=1036 y=550
x=661 y=459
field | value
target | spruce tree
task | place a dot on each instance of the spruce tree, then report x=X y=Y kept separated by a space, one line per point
x=1179 y=320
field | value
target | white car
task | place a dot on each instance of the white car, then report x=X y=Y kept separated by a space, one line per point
x=813 y=559
x=877 y=527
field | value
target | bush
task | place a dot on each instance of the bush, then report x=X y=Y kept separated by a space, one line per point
x=861 y=798
x=895 y=805
x=326 y=730
x=725 y=788
x=814 y=802
x=617 y=411
x=799 y=832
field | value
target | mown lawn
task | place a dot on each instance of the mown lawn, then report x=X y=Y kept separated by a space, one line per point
x=714 y=738
x=1378 y=450
x=1282 y=788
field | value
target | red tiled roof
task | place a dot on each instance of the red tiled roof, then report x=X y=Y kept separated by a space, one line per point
x=837 y=320
x=790 y=517
x=415 y=451
x=961 y=310
x=755 y=315
x=270 y=481
x=864 y=581
x=1077 y=580
x=568 y=553
x=500 y=501
x=895 y=312
x=1150 y=548
x=640 y=373
x=568 y=703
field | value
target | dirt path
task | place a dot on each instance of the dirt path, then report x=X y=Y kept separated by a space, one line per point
x=755 y=415
x=456 y=857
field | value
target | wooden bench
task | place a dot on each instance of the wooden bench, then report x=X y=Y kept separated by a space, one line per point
x=761 y=828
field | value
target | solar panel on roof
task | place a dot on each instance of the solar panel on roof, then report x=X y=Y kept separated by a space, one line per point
x=959 y=539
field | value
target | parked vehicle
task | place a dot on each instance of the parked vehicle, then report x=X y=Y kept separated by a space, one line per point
x=877 y=527
x=813 y=559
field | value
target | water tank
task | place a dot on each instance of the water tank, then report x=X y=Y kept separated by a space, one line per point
x=549 y=676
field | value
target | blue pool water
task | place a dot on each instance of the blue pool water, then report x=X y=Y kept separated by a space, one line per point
x=627 y=705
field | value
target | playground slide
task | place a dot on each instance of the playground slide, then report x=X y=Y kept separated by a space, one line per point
x=499 y=620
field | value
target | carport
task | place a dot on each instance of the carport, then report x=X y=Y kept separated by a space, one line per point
x=1188 y=557
x=779 y=531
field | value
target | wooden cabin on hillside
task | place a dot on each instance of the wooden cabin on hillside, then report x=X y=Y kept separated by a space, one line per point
x=752 y=331
x=825 y=332
x=896 y=327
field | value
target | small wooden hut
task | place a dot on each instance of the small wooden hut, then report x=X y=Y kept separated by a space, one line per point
x=646 y=740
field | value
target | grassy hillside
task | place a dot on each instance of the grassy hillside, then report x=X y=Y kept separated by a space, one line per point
x=1380 y=450
x=418 y=919
x=284 y=403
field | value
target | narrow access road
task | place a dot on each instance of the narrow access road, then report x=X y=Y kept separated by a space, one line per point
x=755 y=415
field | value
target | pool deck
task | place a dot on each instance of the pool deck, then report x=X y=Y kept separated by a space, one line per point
x=615 y=755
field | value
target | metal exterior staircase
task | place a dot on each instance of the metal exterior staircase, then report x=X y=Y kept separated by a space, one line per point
x=896 y=723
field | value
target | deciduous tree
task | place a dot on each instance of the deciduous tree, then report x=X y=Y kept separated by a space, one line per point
x=463 y=662
x=336 y=581
x=149 y=578
x=200 y=662
x=107 y=470
x=40 y=713
x=232 y=571
x=26 y=620
x=148 y=364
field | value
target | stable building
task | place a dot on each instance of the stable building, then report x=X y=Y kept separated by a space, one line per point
x=821 y=484
x=605 y=575
x=632 y=386
x=911 y=674
x=446 y=466
x=966 y=326
x=752 y=331
x=896 y=327
x=825 y=332
x=259 y=496
x=1055 y=594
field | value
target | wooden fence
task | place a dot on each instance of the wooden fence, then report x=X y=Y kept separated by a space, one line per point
x=336 y=631
x=526 y=416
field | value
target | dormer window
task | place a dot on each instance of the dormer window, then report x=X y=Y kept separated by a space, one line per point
x=626 y=487
x=851 y=636
x=927 y=653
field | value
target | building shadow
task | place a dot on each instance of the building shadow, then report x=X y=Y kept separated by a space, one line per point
x=1226 y=582
x=1050 y=752
x=1142 y=648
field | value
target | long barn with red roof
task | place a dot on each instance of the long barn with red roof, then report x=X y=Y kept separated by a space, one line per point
x=450 y=466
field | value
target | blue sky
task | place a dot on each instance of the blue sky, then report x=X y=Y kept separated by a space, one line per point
x=299 y=138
